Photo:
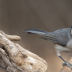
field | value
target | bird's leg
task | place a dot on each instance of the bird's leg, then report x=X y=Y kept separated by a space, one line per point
x=58 y=50
x=62 y=58
x=66 y=63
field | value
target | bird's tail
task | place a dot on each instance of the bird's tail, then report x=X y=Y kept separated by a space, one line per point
x=36 y=31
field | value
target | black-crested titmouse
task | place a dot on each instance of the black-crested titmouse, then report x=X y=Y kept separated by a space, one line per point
x=61 y=38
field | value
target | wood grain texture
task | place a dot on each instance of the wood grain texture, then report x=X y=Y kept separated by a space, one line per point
x=14 y=58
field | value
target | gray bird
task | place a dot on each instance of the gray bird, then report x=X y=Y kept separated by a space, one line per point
x=62 y=40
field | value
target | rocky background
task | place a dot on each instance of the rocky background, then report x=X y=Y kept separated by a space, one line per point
x=49 y=15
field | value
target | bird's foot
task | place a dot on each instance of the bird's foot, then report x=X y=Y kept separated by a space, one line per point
x=68 y=64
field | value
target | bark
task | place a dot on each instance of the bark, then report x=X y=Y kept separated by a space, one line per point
x=14 y=58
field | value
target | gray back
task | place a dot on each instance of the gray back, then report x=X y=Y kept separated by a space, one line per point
x=61 y=36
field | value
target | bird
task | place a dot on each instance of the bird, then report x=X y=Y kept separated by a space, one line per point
x=61 y=38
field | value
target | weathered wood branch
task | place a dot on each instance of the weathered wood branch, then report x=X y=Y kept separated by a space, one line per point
x=14 y=58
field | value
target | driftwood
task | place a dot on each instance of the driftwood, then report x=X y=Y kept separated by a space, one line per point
x=14 y=58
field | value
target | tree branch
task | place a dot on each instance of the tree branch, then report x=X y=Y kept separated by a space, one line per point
x=14 y=58
x=66 y=68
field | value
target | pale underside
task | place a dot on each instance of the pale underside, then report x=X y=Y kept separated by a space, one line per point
x=60 y=48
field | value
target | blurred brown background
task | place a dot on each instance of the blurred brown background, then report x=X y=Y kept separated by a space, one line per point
x=49 y=15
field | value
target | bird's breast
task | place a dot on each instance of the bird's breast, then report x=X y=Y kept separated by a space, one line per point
x=69 y=44
x=61 y=48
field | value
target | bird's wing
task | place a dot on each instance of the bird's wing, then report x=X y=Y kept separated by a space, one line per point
x=50 y=37
x=59 y=37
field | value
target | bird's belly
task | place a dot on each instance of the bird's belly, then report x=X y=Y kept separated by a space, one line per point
x=69 y=44
x=62 y=48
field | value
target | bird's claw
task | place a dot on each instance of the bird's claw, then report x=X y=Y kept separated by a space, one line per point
x=68 y=64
